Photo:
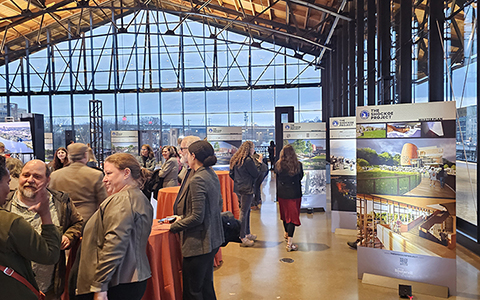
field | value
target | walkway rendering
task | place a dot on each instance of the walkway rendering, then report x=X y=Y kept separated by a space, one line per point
x=425 y=190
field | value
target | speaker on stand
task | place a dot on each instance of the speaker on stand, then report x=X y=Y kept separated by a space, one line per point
x=38 y=134
x=69 y=137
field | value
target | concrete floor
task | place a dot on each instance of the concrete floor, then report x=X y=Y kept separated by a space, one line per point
x=323 y=268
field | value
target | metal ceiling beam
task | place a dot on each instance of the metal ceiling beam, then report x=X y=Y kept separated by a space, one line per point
x=322 y=9
x=332 y=29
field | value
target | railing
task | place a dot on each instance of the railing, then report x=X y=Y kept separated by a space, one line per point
x=394 y=185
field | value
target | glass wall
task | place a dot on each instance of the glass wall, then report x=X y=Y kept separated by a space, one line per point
x=180 y=83
x=463 y=90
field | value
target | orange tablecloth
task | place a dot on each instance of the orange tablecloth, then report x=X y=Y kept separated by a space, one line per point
x=230 y=199
x=165 y=256
x=165 y=201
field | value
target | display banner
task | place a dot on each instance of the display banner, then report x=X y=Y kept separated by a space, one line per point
x=406 y=192
x=308 y=140
x=225 y=141
x=343 y=171
x=124 y=141
x=48 y=136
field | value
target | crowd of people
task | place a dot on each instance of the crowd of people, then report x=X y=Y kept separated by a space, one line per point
x=106 y=217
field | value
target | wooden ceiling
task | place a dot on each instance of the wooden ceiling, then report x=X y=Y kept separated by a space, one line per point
x=305 y=26
x=302 y=25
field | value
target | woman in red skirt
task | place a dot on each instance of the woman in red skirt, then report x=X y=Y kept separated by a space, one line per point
x=289 y=192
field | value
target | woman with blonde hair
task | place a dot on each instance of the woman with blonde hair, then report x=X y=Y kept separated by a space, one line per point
x=289 y=173
x=244 y=172
x=91 y=159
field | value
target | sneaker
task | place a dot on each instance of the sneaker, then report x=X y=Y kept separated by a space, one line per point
x=252 y=237
x=246 y=242
x=292 y=247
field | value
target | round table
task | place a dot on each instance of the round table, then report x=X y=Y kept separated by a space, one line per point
x=230 y=199
x=165 y=256
x=165 y=201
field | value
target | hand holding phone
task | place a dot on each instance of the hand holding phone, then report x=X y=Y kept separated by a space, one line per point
x=168 y=220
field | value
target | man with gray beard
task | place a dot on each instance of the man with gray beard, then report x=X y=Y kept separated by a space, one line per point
x=33 y=181
x=186 y=142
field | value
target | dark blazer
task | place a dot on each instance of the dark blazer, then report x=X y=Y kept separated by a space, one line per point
x=244 y=176
x=199 y=202
x=289 y=187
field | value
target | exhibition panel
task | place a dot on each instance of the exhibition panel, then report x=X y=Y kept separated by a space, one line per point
x=343 y=171
x=406 y=192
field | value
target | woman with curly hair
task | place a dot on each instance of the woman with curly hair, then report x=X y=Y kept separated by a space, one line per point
x=289 y=173
x=244 y=172
x=60 y=159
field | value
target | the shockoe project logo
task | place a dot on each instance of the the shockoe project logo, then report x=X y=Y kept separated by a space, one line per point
x=335 y=123
x=214 y=130
x=292 y=127
x=364 y=114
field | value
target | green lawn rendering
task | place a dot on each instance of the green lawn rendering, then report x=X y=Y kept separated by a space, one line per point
x=373 y=134
x=387 y=182
x=315 y=163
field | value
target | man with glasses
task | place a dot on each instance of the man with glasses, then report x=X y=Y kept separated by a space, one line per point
x=186 y=142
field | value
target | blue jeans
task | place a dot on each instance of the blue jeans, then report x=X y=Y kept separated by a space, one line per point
x=245 y=202
x=442 y=181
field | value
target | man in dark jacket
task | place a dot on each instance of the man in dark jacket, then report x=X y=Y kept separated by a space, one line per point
x=34 y=179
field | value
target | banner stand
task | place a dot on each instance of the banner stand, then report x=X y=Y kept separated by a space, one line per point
x=310 y=210
x=417 y=287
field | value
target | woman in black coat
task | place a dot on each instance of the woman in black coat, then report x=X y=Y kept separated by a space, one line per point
x=244 y=172
x=289 y=192
x=271 y=154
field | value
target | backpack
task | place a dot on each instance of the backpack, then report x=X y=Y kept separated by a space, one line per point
x=231 y=228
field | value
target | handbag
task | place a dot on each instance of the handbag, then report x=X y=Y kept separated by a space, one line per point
x=11 y=273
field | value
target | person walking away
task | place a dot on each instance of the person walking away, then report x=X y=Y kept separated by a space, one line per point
x=271 y=154
x=289 y=173
x=262 y=173
x=442 y=175
x=244 y=172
